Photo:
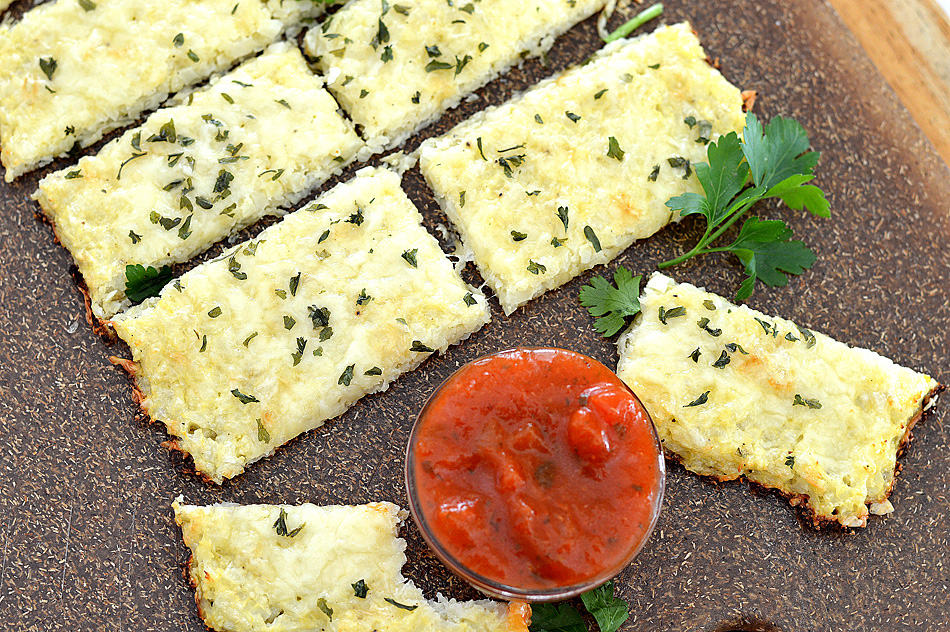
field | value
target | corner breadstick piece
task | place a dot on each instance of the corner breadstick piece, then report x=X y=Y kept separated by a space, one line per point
x=258 y=568
x=396 y=67
x=572 y=172
x=734 y=392
x=75 y=69
x=259 y=138
x=288 y=330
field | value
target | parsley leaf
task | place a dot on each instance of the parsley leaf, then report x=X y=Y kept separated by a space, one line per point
x=612 y=305
x=801 y=401
x=777 y=152
x=556 y=617
x=48 y=66
x=765 y=249
x=420 y=347
x=699 y=401
x=435 y=64
x=280 y=526
x=609 y=611
x=613 y=149
x=324 y=607
x=768 y=162
x=142 y=283
x=720 y=183
x=244 y=399
x=401 y=606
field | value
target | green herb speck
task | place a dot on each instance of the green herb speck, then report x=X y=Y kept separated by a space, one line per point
x=347 y=376
x=592 y=238
x=244 y=399
x=613 y=149
x=699 y=401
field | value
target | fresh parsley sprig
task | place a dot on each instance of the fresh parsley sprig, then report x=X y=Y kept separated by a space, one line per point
x=142 y=283
x=612 y=305
x=769 y=162
x=608 y=611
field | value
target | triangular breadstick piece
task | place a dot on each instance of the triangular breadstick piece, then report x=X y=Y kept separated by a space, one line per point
x=737 y=393
x=334 y=568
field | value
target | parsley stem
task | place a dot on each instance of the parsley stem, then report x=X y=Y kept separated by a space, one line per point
x=710 y=236
x=735 y=215
x=692 y=253
x=706 y=251
x=636 y=22
x=683 y=257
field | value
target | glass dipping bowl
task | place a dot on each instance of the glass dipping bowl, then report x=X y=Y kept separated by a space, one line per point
x=495 y=587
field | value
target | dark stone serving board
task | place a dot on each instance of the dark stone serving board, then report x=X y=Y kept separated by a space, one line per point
x=87 y=540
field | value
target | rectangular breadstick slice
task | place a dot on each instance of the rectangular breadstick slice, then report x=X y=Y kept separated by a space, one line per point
x=258 y=139
x=71 y=70
x=572 y=172
x=734 y=392
x=288 y=330
x=259 y=568
x=395 y=67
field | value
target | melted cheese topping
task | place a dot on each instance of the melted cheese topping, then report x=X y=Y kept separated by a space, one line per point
x=114 y=61
x=787 y=408
x=249 y=578
x=286 y=331
x=534 y=186
x=395 y=68
x=257 y=139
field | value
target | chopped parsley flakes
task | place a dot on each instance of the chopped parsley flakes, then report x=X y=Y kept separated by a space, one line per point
x=280 y=525
x=244 y=399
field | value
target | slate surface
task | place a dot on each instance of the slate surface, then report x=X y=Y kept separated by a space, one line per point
x=87 y=540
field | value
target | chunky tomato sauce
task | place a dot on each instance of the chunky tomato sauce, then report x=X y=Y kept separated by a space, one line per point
x=536 y=468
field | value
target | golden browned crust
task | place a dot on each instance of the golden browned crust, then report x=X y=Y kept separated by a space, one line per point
x=187 y=462
x=187 y=571
x=130 y=368
x=748 y=100
x=100 y=327
x=194 y=584
x=41 y=216
x=800 y=501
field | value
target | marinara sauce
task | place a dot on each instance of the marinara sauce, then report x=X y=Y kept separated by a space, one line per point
x=535 y=469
